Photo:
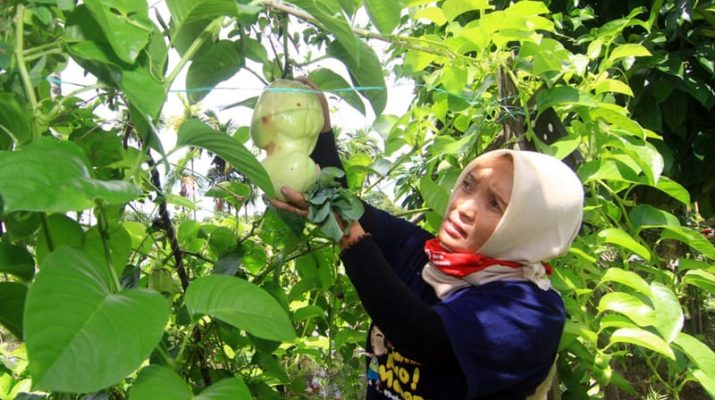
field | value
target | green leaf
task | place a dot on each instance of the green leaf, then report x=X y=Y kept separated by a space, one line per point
x=235 y=193
x=454 y=8
x=707 y=381
x=668 y=313
x=629 y=50
x=119 y=246
x=608 y=170
x=143 y=90
x=14 y=121
x=562 y=96
x=698 y=352
x=628 y=305
x=63 y=231
x=621 y=238
x=454 y=78
x=125 y=23
x=642 y=338
x=418 y=60
x=241 y=304
x=191 y=17
x=564 y=146
x=16 y=260
x=434 y=14
x=702 y=279
x=220 y=62
x=161 y=383
x=690 y=237
x=146 y=129
x=434 y=195
x=674 y=189
x=645 y=155
x=75 y=322
x=365 y=70
x=614 y=86
x=308 y=312
x=527 y=8
x=628 y=278
x=12 y=302
x=329 y=81
x=615 y=321
x=29 y=182
x=195 y=133
x=646 y=216
x=384 y=14
x=333 y=22
x=180 y=201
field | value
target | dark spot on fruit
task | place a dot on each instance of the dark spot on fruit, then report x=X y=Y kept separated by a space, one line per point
x=297 y=104
x=264 y=119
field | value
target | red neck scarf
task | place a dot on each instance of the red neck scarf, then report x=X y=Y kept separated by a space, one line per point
x=462 y=264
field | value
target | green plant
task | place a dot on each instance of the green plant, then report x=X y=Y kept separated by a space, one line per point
x=111 y=284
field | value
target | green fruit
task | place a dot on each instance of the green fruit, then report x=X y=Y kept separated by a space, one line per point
x=290 y=168
x=288 y=114
x=286 y=123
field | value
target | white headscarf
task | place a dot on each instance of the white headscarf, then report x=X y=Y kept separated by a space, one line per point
x=542 y=219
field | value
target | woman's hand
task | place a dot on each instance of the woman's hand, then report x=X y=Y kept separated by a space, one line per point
x=294 y=203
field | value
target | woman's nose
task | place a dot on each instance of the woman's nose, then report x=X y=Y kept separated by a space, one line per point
x=467 y=211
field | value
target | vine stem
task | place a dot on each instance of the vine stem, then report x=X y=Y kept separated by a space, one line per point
x=46 y=228
x=654 y=369
x=392 y=39
x=184 y=343
x=41 y=48
x=392 y=168
x=104 y=235
x=195 y=46
x=20 y=56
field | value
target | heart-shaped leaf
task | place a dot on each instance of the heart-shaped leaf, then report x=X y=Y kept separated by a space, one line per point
x=161 y=383
x=220 y=62
x=81 y=336
x=29 y=182
x=239 y=303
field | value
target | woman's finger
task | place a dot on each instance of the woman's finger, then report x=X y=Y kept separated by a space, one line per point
x=294 y=198
x=281 y=205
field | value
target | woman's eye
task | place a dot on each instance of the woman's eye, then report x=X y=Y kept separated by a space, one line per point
x=493 y=203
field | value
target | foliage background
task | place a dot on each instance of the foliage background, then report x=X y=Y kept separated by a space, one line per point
x=112 y=287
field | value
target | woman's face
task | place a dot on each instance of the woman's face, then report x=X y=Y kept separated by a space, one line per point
x=477 y=205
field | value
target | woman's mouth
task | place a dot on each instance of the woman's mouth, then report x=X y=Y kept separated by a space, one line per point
x=453 y=230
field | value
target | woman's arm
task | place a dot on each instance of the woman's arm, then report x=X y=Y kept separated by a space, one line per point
x=414 y=328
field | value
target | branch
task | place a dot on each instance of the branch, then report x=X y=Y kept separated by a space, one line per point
x=405 y=41
x=168 y=226
x=215 y=25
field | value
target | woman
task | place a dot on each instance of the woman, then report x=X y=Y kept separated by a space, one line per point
x=468 y=314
